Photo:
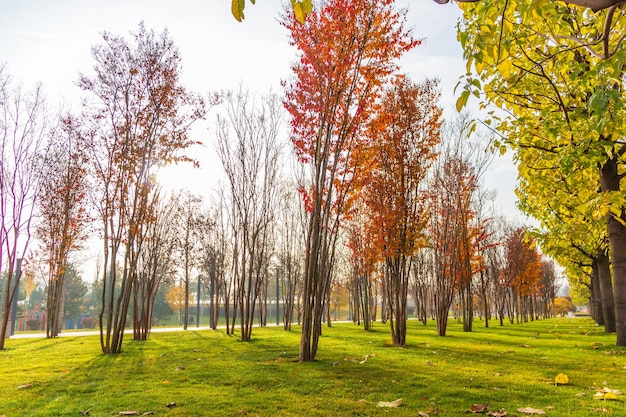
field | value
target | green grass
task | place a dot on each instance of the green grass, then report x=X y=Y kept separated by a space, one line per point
x=208 y=373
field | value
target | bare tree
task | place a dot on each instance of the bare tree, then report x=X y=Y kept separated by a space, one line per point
x=22 y=132
x=188 y=243
x=250 y=153
x=155 y=261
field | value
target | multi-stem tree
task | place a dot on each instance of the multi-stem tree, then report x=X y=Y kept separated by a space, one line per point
x=22 y=132
x=137 y=116
x=450 y=203
x=249 y=149
x=155 y=260
x=188 y=241
x=363 y=259
x=523 y=271
x=63 y=215
x=558 y=71
x=405 y=136
x=291 y=227
x=347 y=50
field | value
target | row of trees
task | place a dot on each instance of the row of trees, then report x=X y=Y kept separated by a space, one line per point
x=557 y=71
x=380 y=194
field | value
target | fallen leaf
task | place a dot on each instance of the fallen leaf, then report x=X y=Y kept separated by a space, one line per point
x=600 y=410
x=561 y=379
x=25 y=386
x=422 y=414
x=148 y=413
x=529 y=410
x=525 y=346
x=479 y=408
x=581 y=394
x=500 y=413
x=129 y=413
x=86 y=412
x=391 y=404
x=611 y=396
x=170 y=405
x=614 y=391
x=180 y=368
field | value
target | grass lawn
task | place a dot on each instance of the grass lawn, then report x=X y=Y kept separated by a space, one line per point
x=207 y=373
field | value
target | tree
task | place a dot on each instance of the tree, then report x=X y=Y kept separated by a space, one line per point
x=138 y=116
x=557 y=70
x=250 y=153
x=594 y=5
x=562 y=306
x=62 y=210
x=22 y=131
x=156 y=261
x=347 y=50
x=406 y=133
x=364 y=265
x=450 y=192
x=187 y=243
x=74 y=290
x=523 y=270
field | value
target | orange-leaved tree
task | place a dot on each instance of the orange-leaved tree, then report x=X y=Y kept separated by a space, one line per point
x=347 y=51
x=363 y=259
x=523 y=271
x=405 y=136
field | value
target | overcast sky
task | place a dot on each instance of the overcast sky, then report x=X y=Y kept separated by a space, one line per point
x=50 y=41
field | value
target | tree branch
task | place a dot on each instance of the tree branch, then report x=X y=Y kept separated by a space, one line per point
x=594 y=5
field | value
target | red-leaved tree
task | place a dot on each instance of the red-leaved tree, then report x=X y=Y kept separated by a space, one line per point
x=347 y=50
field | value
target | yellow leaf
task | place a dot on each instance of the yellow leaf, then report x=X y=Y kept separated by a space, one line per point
x=392 y=404
x=299 y=12
x=561 y=379
x=505 y=67
x=237 y=7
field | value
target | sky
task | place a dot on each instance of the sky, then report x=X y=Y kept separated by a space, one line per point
x=50 y=42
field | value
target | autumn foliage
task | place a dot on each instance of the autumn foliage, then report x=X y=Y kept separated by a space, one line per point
x=347 y=51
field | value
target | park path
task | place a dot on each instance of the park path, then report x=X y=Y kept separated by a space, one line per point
x=97 y=332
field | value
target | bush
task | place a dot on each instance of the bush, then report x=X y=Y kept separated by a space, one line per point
x=33 y=324
x=89 y=322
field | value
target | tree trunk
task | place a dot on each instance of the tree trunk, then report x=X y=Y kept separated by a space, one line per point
x=606 y=291
x=610 y=181
x=596 y=299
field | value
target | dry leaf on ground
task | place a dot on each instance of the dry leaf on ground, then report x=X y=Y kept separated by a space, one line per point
x=25 y=386
x=129 y=413
x=391 y=404
x=500 y=413
x=530 y=410
x=423 y=414
x=479 y=408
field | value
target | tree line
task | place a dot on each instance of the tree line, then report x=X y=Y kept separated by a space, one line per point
x=372 y=192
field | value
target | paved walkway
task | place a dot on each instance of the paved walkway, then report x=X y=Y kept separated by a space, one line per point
x=20 y=335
